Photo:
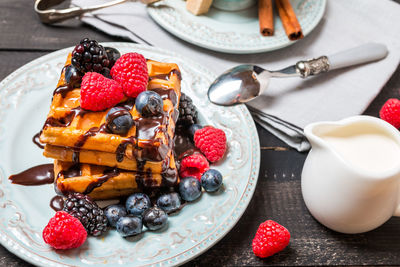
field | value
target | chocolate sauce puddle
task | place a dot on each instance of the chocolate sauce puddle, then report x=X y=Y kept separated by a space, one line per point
x=36 y=141
x=38 y=175
x=57 y=203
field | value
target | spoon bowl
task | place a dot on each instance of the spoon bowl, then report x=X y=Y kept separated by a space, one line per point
x=238 y=85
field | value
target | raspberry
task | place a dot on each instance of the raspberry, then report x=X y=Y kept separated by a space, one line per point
x=99 y=93
x=130 y=70
x=211 y=142
x=271 y=237
x=390 y=112
x=64 y=231
x=194 y=165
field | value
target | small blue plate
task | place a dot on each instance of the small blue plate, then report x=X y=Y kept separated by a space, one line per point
x=236 y=32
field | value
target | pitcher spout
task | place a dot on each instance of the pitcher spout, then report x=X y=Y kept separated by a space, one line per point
x=313 y=133
x=364 y=143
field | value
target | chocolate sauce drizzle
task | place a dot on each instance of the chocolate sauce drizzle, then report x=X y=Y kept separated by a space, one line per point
x=74 y=82
x=167 y=93
x=73 y=171
x=117 y=113
x=128 y=104
x=107 y=174
x=65 y=121
x=120 y=152
x=184 y=146
x=82 y=140
x=37 y=175
x=167 y=76
x=36 y=141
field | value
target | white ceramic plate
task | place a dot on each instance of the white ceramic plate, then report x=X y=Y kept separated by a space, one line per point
x=232 y=32
x=25 y=97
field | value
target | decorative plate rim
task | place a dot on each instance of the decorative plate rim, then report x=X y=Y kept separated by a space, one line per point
x=235 y=214
x=159 y=16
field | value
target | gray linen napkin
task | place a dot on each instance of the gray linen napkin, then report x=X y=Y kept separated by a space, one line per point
x=289 y=104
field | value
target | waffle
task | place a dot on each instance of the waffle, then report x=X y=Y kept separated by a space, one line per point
x=106 y=159
x=84 y=132
x=91 y=160
x=101 y=182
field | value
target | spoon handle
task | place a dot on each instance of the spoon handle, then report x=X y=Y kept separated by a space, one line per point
x=358 y=55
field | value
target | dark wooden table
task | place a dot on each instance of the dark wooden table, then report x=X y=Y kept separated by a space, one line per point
x=277 y=196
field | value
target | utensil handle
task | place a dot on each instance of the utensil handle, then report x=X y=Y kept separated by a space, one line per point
x=358 y=55
x=397 y=211
x=49 y=16
x=354 y=56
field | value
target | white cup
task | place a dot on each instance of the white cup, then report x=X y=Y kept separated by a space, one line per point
x=233 y=5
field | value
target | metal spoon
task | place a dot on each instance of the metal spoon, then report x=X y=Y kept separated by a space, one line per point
x=245 y=82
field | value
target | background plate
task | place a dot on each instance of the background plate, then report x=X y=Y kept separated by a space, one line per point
x=232 y=32
x=25 y=97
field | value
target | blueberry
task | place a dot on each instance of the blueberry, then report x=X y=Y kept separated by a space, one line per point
x=155 y=218
x=211 y=180
x=137 y=203
x=129 y=225
x=72 y=76
x=113 y=213
x=193 y=129
x=190 y=188
x=149 y=103
x=169 y=202
x=119 y=120
x=113 y=55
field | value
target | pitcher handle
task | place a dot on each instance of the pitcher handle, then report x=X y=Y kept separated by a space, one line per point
x=397 y=211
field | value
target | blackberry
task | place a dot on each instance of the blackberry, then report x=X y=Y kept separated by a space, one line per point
x=187 y=111
x=88 y=55
x=113 y=55
x=86 y=210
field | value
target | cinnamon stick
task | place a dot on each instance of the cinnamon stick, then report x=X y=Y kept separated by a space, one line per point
x=289 y=20
x=266 y=17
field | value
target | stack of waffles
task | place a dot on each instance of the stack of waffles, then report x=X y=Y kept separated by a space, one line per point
x=91 y=160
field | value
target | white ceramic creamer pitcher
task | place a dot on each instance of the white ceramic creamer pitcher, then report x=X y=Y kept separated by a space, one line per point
x=351 y=177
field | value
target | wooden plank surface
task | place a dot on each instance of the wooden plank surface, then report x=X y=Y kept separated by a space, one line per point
x=277 y=195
